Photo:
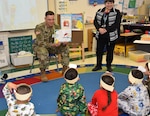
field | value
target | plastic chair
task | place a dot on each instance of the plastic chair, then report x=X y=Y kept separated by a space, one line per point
x=54 y=56
x=51 y=56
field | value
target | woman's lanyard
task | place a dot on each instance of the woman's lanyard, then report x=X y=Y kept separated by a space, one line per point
x=105 y=19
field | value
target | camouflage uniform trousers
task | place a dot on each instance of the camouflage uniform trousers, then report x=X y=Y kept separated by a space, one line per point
x=43 y=55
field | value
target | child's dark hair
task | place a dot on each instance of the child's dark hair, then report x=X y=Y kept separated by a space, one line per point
x=109 y=1
x=23 y=89
x=137 y=74
x=49 y=13
x=147 y=66
x=71 y=74
x=108 y=80
x=23 y=92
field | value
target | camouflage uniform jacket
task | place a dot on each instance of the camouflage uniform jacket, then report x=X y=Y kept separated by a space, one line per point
x=44 y=38
x=71 y=100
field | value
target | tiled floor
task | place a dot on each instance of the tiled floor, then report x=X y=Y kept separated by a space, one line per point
x=91 y=60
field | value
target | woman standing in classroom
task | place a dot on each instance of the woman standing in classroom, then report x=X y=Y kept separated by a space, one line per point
x=107 y=23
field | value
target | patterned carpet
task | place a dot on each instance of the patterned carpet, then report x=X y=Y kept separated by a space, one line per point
x=47 y=92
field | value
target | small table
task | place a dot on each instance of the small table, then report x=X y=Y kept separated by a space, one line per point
x=126 y=35
x=143 y=27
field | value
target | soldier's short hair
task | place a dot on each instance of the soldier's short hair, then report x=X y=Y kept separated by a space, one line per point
x=49 y=13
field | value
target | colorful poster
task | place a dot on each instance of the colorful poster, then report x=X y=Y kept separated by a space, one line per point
x=132 y=4
x=63 y=35
x=77 y=21
x=65 y=20
x=96 y=1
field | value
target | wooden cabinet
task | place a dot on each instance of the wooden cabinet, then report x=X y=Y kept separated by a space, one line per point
x=90 y=39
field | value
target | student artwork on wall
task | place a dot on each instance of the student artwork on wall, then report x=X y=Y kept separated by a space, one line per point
x=66 y=22
x=130 y=6
x=96 y=2
x=72 y=21
x=77 y=21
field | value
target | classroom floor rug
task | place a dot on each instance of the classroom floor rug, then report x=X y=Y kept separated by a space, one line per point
x=45 y=94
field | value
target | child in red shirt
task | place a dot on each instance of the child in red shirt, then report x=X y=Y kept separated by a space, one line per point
x=104 y=100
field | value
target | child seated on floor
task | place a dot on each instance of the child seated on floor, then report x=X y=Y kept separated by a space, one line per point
x=146 y=81
x=134 y=100
x=71 y=100
x=104 y=100
x=20 y=105
x=146 y=71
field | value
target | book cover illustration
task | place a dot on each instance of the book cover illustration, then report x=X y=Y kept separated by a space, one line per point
x=63 y=35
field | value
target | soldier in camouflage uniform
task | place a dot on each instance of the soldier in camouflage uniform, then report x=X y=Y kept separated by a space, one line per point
x=44 y=44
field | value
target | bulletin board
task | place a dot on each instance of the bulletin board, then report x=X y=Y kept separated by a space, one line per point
x=20 y=43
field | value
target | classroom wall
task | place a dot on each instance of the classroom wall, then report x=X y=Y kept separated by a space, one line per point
x=143 y=10
x=78 y=6
x=5 y=35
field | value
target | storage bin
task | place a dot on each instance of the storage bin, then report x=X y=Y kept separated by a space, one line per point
x=138 y=55
x=120 y=49
x=21 y=60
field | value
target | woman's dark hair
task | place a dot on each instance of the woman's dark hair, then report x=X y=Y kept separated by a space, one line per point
x=109 y=1
x=49 y=13
x=108 y=80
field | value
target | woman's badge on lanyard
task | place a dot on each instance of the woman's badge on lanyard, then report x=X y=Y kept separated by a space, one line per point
x=105 y=18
